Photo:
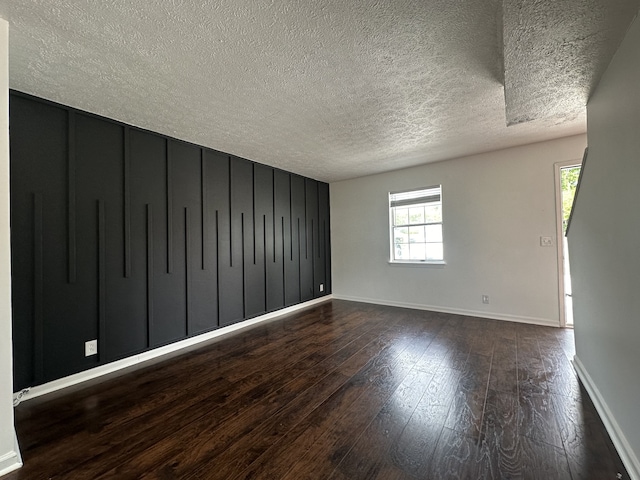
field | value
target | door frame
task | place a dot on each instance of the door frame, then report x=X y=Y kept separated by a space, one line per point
x=559 y=236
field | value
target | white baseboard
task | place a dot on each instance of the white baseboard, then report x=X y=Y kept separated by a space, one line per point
x=458 y=311
x=11 y=460
x=627 y=455
x=75 y=379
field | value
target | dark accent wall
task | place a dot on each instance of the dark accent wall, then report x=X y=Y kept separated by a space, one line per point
x=139 y=240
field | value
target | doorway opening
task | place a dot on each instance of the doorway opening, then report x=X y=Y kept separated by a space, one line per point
x=567 y=175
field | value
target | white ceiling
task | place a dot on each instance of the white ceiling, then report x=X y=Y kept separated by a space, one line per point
x=330 y=89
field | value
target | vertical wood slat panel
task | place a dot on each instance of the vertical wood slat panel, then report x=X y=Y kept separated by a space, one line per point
x=306 y=226
x=253 y=189
x=126 y=204
x=284 y=269
x=320 y=224
x=325 y=239
x=290 y=218
x=299 y=263
x=264 y=260
x=230 y=180
x=102 y=280
x=217 y=269
x=273 y=186
x=244 y=276
x=203 y=209
x=316 y=236
x=314 y=261
x=71 y=198
x=38 y=287
x=149 y=274
x=314 y=267
x=187 y=269
x=169 y=194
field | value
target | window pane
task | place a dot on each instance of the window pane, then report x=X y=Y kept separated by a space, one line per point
x=401 y=216
x=433 y=233
x=434 y=251
x=433 y=213
x=401 y=235
x=416 y=225
x=401 y=251
x=416 y=215
x=417 y=251
x=416 y=234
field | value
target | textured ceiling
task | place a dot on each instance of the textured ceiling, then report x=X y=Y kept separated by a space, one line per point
x=328 y=89
x=555 y=52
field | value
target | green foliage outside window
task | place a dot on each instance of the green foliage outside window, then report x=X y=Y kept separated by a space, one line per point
x=568 y=183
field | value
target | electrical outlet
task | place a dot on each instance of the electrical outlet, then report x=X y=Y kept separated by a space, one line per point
x=322 y=287
x=485 y=298
x=546 y=241
x=90 y=348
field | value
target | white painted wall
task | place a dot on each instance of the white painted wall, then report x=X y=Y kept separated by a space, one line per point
x=495 y=208
x=9 y=454
x=604 y=241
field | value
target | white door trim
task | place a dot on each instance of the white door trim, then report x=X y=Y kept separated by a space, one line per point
x=559 y=236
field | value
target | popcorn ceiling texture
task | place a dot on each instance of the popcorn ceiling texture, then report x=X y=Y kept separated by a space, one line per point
x=328 y=89
x=566 y=47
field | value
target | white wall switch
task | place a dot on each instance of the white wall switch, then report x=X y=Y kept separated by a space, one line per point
x=322 y=287
x=90 y=348
x=546 y=241
x=485 y=298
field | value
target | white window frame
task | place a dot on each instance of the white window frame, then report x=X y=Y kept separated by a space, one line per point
x=418 y=196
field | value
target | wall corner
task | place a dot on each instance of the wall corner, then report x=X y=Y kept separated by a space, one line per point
x=9 y=451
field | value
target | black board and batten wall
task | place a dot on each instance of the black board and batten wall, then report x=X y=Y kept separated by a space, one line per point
x=139 y=240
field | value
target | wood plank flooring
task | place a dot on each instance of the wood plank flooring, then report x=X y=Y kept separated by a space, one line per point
x=339 y=391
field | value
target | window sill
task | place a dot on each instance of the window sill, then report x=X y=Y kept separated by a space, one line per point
x=426 y=263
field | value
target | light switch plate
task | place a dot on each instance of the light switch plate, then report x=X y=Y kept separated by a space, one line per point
x=546 y=241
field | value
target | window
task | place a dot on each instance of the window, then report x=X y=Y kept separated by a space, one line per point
x=416 y=225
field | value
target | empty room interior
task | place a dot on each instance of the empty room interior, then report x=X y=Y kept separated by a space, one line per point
x=319 y=240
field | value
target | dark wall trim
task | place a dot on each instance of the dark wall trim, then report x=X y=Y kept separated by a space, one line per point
x=71 y=195
x=102 y=281
x=169 y=196
x=149 y=278
x=204 y=217
x=126 y=188
x=38 y=277
x=187 y=269
x=137 y=240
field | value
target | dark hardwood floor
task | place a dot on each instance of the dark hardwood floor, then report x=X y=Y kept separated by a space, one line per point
x=340 y=391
